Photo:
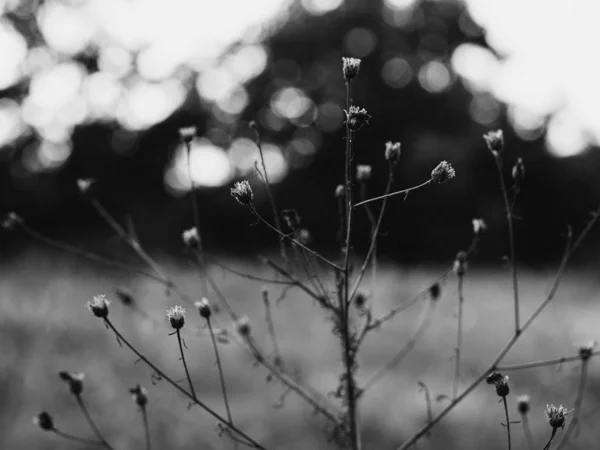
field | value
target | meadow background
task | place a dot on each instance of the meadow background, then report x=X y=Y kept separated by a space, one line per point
x=99 y=88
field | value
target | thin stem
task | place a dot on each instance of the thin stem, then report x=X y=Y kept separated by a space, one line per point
x=248 y=275
x=271 y=327
x=527 y=431
x=547 y=446
x=577 y=406
x=373 y=224
x=507 y=421
x=403 y=191
x=74 y=438
x=548 y=362
x=459 y=336
x=425 y=389
x=219 y=365
x=511 y=238
x=292 y=240
x=187 y=373
x=91 y=422
x=146 y=427
x=193 y=398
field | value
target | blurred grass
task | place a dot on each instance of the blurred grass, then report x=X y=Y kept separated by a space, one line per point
x=44 y=328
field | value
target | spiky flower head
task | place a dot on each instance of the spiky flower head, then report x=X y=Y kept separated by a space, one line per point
x=442 y=172
x=523 y=404
x=139 y=395
x=99 y=306
x=187 y=134
x=74 y=380
x=518 y=171
x=176 y=316
x=203 y=307
x=494 y=141
x=363 y=172
x=586 y=350
x=85 y=185
x=392 y=151
x=339 y=191
x=460 y=264
x=479 y=226
x=191 y=238
x=350 y=67
x=356 y=117
x=556 y=416
x=243 y=326
x=501 y=383
x=242 y=192
x=11 y=221
x=44 y=421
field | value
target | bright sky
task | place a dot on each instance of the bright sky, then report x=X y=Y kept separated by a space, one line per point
x=151 y=52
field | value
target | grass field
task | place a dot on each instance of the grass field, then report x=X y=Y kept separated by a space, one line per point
x=44 y=328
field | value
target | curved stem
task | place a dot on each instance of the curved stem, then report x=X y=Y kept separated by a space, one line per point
x=221 y=376
x=547 y=446
x=403 y=191
x=187 y=373
x=146 y=428
x=91 y=422
x=458 y=337
x=74 y=438
x=527 y=431
x=507 y=421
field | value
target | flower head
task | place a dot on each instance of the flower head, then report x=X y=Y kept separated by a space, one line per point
x=350 y=67
x=84 y=185
x=191 y=238
x=139 y=395
x=44 y=421
x=523 y=404
x=363 y=172
x=99 y=306
x=176 y=316
x=74 y=380
x=339 y=191
x=187 y=134
x=356 y=117
x=494 y=141
x=11 y=221
x=442 y=172
x=242 y=192
x=556 y=416
x=460 y=264
x=479 y=226
x=203 y=307
x=392 y=151
x=586 y=350
x=501 y=383
x=518 y=171
x=243 y=326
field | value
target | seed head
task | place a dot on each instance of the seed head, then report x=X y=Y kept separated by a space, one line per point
x=243 y=326
x=203 y=307
x=74 y=380
x=356 y=117
x=518 y=171
x=586 y=350
x=479 y=226
x=11 y=221
x=460 y=264
x=350 y=67
x=44 y=421
x=435 y=290
x=176 y=316
x=139 y=395
x=242 y=192
x=556 y=416
x=339 y=191
x=187 y=134
x=361 y=300
x=494 y=141
x=501 y=383
x=191 y=238
x=363 y=172
x=99 y=306
x=392 y=151
x=85 y=185
x=442 y=172
x=523 y=404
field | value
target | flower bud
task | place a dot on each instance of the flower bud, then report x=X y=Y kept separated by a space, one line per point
x=99 y=306
x=203 y=308
x=479 y=226
x=363 y=172
x=360 y=300
x=243 y=326
x=191 y=238
x=74 y=380
x=350 y=67
x=494 y=141
x=392 y=151
x=435 y=290
x=339 y=191
x=44 y=421
x=176 y=316
x=442 y=172
x=556 y=416
x=139 y=395
x=187 y=134
x=242 y=192
x=586 y=350
x=460 y=264
x=501 y=383
x=356 y=118
x=523 y=404
x=85 y=185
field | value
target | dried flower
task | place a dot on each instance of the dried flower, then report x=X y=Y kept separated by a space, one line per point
x=242 y=192
x=176 y=316
x=523 y=404
x=203 y=307
x=339 y=191
x=460 y=264
x=435 y=290
x=191 y=238
x=85 y=184
x=501 y=383
x=11 y=221
x=442 y=172
x=586 y=350
x=556 y=416
x=392 y=151
x=99 y=306
x=243 y=326
x=125 y=296
x=44 y=421
x=74 y=380
x=350 y=67
x=139 y=395
x=518 y=171
x=363 y=172
x=356 y=117
x=494 y=141
x=479 y=226
x=187 y=134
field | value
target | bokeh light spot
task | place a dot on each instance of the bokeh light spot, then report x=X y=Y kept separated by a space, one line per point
x=434 y=77
x=396 y=72
x=360 y=42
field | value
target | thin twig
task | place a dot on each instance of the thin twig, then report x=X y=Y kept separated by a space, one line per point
x=507 y=421
x=248 y=275
x=187 y=373
x=425 y=389
x=547 y=446
x=220 y=367
x=459 y=336
x=91 y=422
x=271 y=328
x=391 y=194
x=374 y=231
x=577 y=406
x=74 y=438
x=548 y=362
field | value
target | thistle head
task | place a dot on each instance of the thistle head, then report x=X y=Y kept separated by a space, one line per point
x=139 y=395
x=392 y=151
x=442 y=172
x=500 y=382
x=494 y=141
x=556 y=416
x=44 y=421
x=356 y=117
x=74 y=380
x=242 y=192
x=363 y=172
x=350 y=67
x=11 y=221
x=243 y=326
x=176 y=316
x=191 y=238
x=99 y=306
x=586 y=350
x=187 y=134
x=203 y=307
x=523 y=404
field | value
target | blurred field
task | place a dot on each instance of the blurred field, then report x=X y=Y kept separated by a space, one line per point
x=44 y=328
